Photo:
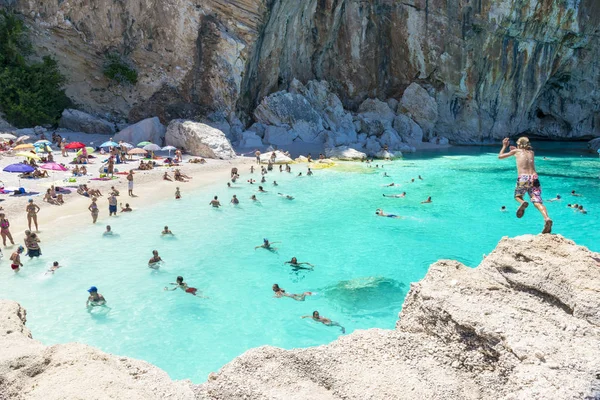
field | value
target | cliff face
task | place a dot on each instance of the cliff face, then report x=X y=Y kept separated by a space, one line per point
x=524 y=324
x=493 y=67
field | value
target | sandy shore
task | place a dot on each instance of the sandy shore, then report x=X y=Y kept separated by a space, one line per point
x=149 y=188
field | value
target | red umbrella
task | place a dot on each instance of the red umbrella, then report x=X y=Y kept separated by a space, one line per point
x=75 y=145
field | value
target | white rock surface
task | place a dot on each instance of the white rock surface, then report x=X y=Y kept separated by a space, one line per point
x=149 y=129
x=78 y=121
x=250 y=139
x=32 y=371
x=408 y=129
x=199 y=139
x=344 y=153
x=280 y=158
x=418 y=104
x=377 y=109
x=278 y=135
x=522 y=325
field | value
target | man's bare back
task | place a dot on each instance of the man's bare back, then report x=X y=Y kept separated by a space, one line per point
x=525 y=162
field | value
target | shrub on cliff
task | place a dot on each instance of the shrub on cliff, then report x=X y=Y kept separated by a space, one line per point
x=30 y=93
x=117 y=69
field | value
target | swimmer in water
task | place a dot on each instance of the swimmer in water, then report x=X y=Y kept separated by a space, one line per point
x=263 y=180
x=503 y=209
x=325 y=321
x=294 y=263
x=180 y=284
x=392 y=185
x=253 y=198
x=420 y=177
x=309 y=173
x=54 y=267
x=557 y=198
x=215 y=202
x=153 y=262
x=126 y=208
x=275 y=183
x=299 y=173
x=279 y=292
x=108 y=231
x=575 y=194
x=177 y=194
x=397 y=196
x=16 y=259
x=287 y=196
x=260 y=189
x=166 y=231
x=385 y=175
x=95 y=299
x=380 y=213
x=266 y=245
x=234 y=200
x=426 y=201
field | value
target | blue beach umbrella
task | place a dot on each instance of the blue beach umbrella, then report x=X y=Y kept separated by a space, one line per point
x=18 y=168
x=42 y=143
x=109 y=144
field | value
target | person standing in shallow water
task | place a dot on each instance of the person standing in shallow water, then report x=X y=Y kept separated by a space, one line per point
x=527 y=180
x=4 y=229
x=130 y=183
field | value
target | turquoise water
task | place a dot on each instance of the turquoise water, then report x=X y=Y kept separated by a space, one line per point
x=363 y=264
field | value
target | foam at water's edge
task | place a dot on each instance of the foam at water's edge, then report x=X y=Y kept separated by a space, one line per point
x=463 y=333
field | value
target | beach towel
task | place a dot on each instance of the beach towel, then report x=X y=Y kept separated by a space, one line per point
x=103 y=179
x=25 y=194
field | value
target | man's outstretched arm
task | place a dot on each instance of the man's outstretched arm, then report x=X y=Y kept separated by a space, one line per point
x=502 y=153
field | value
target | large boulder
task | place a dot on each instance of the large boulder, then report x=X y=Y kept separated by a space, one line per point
x=199 y=139
x=391 y=139
x=150 y=130
x=371 y=126
x=250 y=139
x=408 y=129
x=344 y=153
x=278 y=135
x=280 y=157
x=78 y=121
x=377 y=109
x=423 y=108
x=5 y=126
x=594 y=145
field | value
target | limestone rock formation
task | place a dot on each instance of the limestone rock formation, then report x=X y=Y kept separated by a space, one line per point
x=417 y=103
x=344 y=153
x=199 y=139
x=250 y=140
x=149 y=129
x=32 y=371
x=522 y=325
x=78 y=121
x=594 y=145
x=5 y=126
x=494 y=68
x=408 y=129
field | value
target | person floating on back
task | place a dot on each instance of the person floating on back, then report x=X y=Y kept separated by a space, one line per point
x=528 y=180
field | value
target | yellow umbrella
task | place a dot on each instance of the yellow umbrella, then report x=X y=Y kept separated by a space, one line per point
x=26 y=146
x=28 y=155
x=89 y=150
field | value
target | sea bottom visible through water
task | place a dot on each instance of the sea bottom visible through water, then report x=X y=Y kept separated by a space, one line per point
x=363 y=264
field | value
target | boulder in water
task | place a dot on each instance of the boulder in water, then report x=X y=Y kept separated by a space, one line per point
x=344 y=153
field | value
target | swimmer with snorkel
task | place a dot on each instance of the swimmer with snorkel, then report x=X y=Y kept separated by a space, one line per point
x=267 y=245
x=325 y=321
x=294 y=263
x=279 y=292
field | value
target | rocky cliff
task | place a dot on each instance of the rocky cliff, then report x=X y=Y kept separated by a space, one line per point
x=493 y=67
x=524 y=324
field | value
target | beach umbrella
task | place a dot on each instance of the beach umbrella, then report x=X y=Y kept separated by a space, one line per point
x=169 y=149
x=88 y=149
x=41 y=149
x=22 y=138
x=127 y=145
x=137 y=151
x=27 y=146
x=74 y=145
x=53 y=167
x=28 y=155
x=109 y=144
x=7 y=136
x=18 y=168
x=42 y=142
x=142 y=144
x=152 y=147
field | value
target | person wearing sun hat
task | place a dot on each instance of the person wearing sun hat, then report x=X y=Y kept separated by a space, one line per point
x=95 y=298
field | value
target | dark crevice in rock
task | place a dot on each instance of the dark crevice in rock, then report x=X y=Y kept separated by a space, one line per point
x=544 y=297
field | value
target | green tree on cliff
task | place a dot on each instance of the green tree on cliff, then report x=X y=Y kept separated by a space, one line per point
x=30 y=93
